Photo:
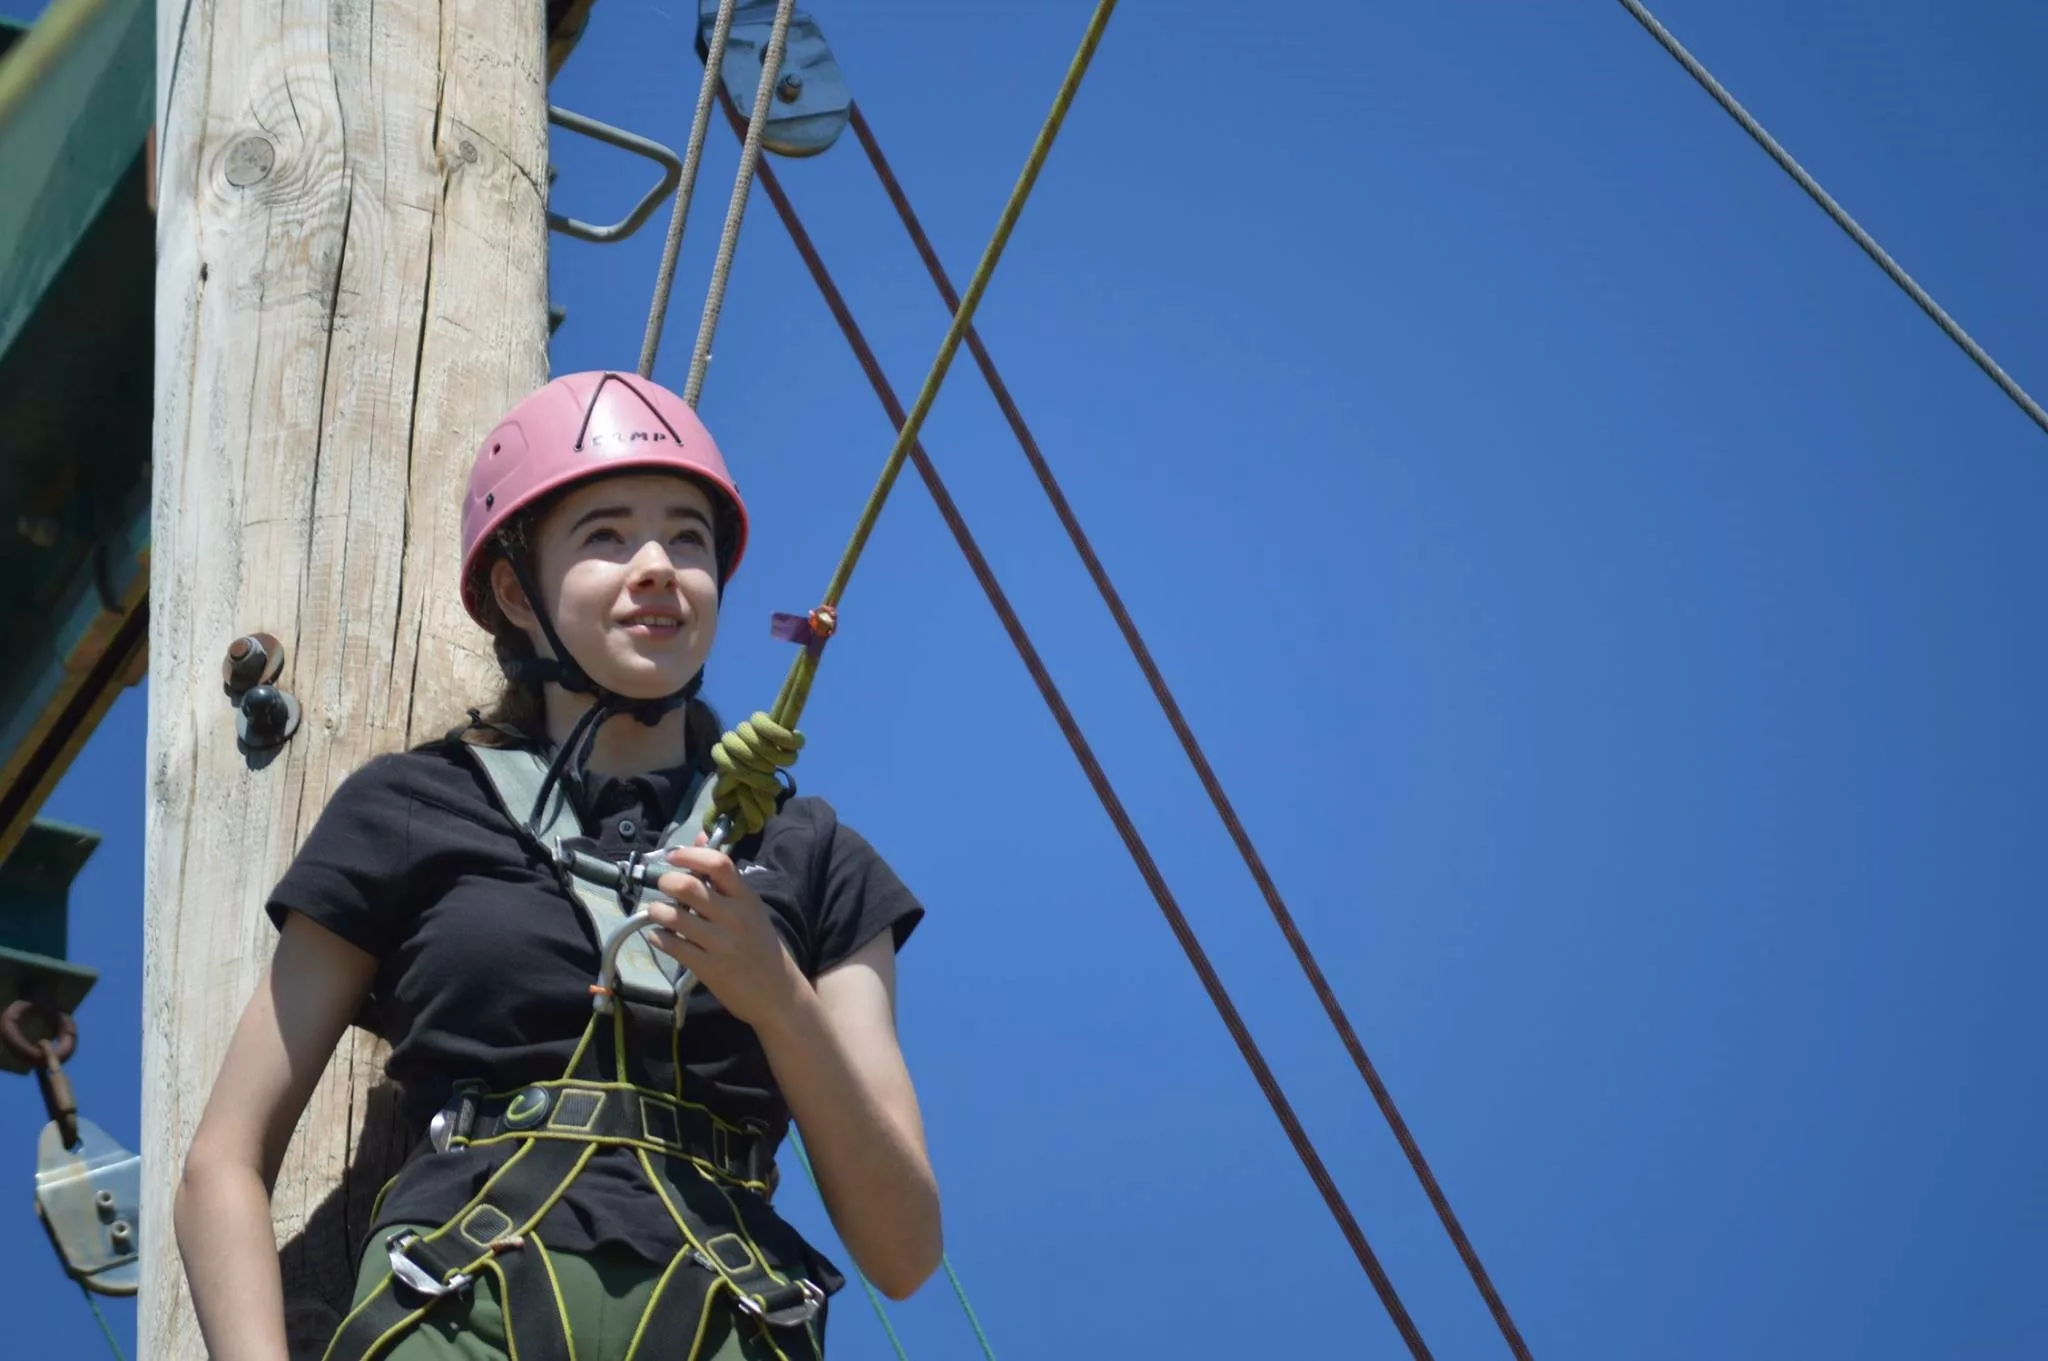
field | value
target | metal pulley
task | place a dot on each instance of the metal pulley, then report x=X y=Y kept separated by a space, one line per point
x=88 y=1187
x=812 y=97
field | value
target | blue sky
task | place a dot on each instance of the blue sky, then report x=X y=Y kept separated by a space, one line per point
x=1615 y=609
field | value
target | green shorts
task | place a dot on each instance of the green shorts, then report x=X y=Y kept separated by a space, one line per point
x=605 y=1293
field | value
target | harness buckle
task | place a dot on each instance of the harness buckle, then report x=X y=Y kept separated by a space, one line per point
x=457 y=1118
x=790 y=1315
x=416 y=1277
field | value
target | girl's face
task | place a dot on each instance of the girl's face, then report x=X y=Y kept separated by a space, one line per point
x=629 y=571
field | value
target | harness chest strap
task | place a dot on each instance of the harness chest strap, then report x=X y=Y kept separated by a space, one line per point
x=604 y=889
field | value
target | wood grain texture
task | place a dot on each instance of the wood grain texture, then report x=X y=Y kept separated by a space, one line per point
x=351 y=287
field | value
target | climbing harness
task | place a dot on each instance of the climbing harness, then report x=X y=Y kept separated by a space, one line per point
x=709 y=1174
x=715 y=1177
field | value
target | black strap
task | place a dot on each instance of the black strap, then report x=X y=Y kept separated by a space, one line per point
x=735 y=1243
x=510 y=1204
x=733 y=1230
x=535 y=1329
x=614 y=1113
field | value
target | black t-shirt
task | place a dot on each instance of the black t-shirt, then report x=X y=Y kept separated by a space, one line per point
x=485 y=962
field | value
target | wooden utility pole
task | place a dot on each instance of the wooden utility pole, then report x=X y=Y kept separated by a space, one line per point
x=351 y=287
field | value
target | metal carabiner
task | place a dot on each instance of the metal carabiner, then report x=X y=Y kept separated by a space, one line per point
x=608 y=966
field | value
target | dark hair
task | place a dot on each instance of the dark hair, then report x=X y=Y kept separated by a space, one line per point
x=518 y=712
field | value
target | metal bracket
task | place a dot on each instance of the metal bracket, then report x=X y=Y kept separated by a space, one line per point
x=90 y=1201
x=671 y=174
x=812 y=97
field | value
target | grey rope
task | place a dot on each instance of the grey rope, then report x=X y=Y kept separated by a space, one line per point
x=700 y=126
x=728 y=242
x=1835 y=211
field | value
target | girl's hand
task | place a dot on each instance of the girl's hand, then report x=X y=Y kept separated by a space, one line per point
x=721 y=931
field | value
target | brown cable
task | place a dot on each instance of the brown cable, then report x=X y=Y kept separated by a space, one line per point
x=1253 y=861
x=1141 y=855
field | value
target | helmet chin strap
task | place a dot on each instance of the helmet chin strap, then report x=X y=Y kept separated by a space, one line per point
x=563 y=669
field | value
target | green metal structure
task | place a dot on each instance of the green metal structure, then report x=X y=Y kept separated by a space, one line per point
x=77 y=303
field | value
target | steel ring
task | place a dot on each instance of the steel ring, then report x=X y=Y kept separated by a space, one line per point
x=62 y=1044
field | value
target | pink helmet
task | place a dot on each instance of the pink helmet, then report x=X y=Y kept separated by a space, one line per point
x=579 y=426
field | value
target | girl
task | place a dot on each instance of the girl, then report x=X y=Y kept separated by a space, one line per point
x=596 y=1156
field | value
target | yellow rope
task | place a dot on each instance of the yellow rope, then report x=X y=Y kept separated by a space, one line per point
x=747 y=759
x=749 y=755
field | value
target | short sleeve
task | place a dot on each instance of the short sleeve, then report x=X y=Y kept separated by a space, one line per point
x=351 y=875
x=859 y=896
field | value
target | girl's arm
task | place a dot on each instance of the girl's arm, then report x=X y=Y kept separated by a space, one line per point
x=836 y=1057
x=833 y=1048
x=313 y=989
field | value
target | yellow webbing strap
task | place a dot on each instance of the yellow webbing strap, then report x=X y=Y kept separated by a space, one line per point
x=749 y=756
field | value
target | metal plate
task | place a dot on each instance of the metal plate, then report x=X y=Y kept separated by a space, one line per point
x=811 y=120
x=90 y=1201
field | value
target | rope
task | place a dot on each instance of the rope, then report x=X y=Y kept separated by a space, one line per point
x=881 y=1310
x=105 y=1327
x=967 y=1307
x=796 y=687
x=1140 y=854
x=748 y=758
x=1196 y=756
x=700 y=125
x=750 y=154
x=1835 y=211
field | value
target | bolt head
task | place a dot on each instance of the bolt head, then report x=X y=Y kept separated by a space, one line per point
x=265 y=706
x=253 y=659
x=790 y=89
x=266 y=718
